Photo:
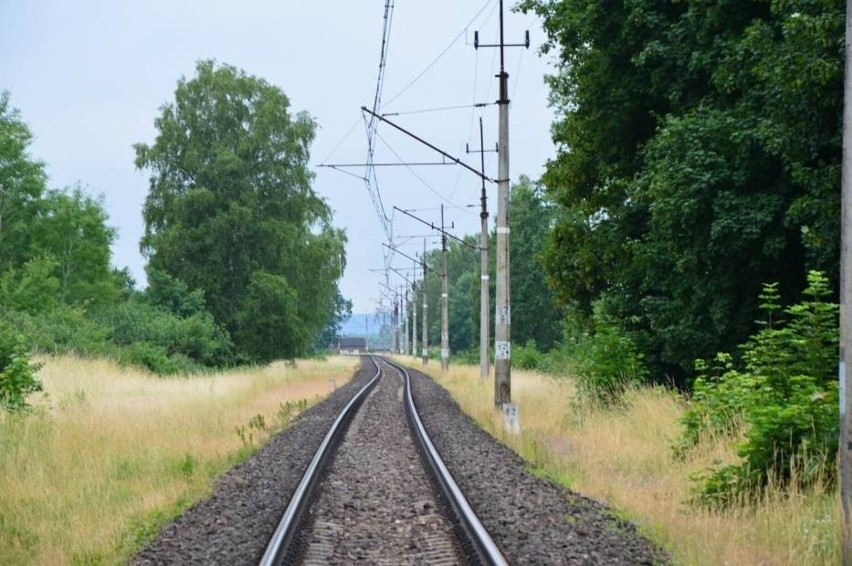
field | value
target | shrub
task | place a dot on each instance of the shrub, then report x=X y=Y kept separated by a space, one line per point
x=61 y=330
x=527 y=356
x=147 y=335
x=17 y=375
x=605 y=361
x=785 y=394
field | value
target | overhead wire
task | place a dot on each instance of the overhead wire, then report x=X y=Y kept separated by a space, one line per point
x=343 y=139
x=371 y=180
x=441 y=54
x=440 y=109
x=413 y=172
x=372 y=126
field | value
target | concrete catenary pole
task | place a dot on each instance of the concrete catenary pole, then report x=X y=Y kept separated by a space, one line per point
x=845 y=447
x=401 y=330
x=414 y=312
x=425 y=336
x=394 y=323
x=484 y=285
x=445 y=313
x=503 y=317
x=407 y=304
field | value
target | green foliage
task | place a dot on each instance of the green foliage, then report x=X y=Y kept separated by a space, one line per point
x=268 y=323
x=784 y=392
x=231 y=211
x=22 y=186
x=605 y=360
x=64 y=329
x=58 y=289
x=329 y=335
x=698 y=154
x=74 y=233
x=527 y=356
x=555 y=361
x=18 y=377
x=33 y=288
x=535 y=315
x=147 y=335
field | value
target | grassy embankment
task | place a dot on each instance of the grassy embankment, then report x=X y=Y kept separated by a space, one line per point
x=112 y=453
x=624 y=458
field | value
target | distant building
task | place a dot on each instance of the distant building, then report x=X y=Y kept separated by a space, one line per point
x=352 y=345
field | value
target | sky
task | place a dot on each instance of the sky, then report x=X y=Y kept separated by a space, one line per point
x=89 y=77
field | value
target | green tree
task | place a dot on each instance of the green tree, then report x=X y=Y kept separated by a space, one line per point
x=22 y=186
x=173 y=295
x=462 y=291
x=698 y=151
x=331 y=333
x=73 y=230
x=535 y=316
x=230 y=210
x=32 y=288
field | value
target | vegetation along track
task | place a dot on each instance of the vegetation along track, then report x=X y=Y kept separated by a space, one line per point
x=375 y=504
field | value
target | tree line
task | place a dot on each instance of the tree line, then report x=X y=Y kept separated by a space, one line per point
x=698 y=157
x=243 y=259
x=537 y=321
x=696 y=240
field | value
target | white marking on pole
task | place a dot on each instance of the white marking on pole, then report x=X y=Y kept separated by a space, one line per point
x=502 y=350
x=443 y=295
x=445 y=353
x=502 y=230
x=841 y=371
x=511 y=418
x=425 y=352
x=484 y=277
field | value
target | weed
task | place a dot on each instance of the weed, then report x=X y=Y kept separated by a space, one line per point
x=187 y=465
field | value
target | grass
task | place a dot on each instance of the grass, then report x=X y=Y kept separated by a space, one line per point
x=624 y=458
x=112 y=453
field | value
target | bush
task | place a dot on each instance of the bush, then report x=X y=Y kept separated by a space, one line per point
x=17 y=375
x=61 y=330
x=163 y=342
x=606 y=361
x=527 y=356
x=155 y=358
x=785 y=394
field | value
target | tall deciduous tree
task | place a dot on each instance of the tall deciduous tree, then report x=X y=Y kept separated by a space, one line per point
x=698 y=156
x=22 y=187
x=54 y=245
x=73 y=230
x=230 y=210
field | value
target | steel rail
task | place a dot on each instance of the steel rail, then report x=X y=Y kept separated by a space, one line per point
x=278 y=545
x=481 y=541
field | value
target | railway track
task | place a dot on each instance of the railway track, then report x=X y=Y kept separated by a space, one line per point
x=375 y=502
x=376 y=490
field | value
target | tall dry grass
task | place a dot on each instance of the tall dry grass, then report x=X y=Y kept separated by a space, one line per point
x=624 y=458
x=111 y=453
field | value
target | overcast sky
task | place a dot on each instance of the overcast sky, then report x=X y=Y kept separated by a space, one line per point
x=89 y=76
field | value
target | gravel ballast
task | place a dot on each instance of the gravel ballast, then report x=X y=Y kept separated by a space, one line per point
x=532 y=520
x=376 y=504
x=234 y=525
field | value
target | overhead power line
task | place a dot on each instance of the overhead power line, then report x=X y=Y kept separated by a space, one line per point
x=441 y=54
x=370 y=179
